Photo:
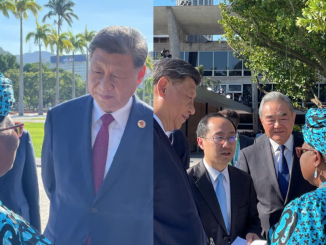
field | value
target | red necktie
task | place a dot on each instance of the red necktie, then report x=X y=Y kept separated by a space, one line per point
x=100 y=153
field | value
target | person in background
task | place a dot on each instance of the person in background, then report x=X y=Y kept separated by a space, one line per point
x=242 y=140
x=180 y=144
x=14 y=229
x=272 y=162
x=303 y=220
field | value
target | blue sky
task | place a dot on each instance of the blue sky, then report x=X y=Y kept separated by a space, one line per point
x=165 y=2
x=96 y=14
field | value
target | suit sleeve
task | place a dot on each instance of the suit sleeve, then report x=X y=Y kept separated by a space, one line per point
x=30 y=184
x=243 y=163
x=48 y=175
x=254 y=225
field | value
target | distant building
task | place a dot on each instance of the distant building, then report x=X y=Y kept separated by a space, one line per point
x=66 y=61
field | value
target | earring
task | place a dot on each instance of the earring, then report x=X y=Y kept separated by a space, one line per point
x=315 y=174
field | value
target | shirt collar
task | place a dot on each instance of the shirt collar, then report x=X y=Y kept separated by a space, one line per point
x=120 y=116
x=288 y=144
x=159 y=122
x=213 y=173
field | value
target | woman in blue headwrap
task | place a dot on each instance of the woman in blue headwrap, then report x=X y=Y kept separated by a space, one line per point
x=303 y=220
x=14 y=230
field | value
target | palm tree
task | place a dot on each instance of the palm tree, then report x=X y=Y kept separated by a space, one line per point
x=78 y=43
x=88 y=36
x=22 y=6
x=6 y=6
x=63 y=10
x=41 y=35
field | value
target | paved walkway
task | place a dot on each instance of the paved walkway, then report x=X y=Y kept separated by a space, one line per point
x=30 y=117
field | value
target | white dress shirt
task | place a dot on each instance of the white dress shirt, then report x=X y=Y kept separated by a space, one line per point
x=159 y=122
x=213 y=174
x=287 y=153
x=116 y=129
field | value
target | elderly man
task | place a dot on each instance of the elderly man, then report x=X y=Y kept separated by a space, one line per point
x=272 y=162
x=97 y=156
x=226 y=195
x=20 y=230
x=176 y=217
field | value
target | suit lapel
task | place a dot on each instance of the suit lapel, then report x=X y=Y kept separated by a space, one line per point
x=84 y=149
x=131 y=137
x=266 y=158
x=296 y=169
x=206 y=189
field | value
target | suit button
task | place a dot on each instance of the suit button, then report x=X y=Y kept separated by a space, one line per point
x=94 y=210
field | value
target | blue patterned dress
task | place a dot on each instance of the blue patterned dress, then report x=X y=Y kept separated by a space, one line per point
x=14 y=230
x=303 y=221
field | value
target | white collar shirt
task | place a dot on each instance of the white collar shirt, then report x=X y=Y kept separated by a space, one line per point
x=116 y=129
x=213 y=174
x=288 y=153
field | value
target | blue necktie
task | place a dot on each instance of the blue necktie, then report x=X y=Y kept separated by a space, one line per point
x=221 y=197
x=283 y=172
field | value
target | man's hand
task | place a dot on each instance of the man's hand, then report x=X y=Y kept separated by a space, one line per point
x=251 y=237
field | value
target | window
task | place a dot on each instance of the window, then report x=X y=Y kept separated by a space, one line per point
x=235 y=65
x=220 y=63
x=192 y=58
x=235 y=88
x=206 y=59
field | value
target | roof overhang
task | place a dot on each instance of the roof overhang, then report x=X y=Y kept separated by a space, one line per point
x=193 y=20
x=213 y=99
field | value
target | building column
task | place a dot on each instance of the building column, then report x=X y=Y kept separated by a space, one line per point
x=254 y=89
x=173 y=31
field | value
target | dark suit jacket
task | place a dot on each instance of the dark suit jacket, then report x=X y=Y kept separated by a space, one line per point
x=19 y=187
x=244 y=214
x=122 y=211
x=245 y=141
x=257 y=160
x=176 y=218
x=180 y=144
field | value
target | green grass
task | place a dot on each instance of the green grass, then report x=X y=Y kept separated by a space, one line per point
x=36 y=131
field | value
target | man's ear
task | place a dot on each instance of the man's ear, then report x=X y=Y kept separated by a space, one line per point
x=141 y=74
x=161 y=86
x=200 y=142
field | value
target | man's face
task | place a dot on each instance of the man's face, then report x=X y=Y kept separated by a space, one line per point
x=113 y=79
x=277 y=120
x=218 y=153
x=179 y=99
x=9 y=143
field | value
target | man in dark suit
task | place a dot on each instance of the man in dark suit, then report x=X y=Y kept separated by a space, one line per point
x=242 y=140
x=22 y=198
x=272 y=162
x=176 y=218
x=226 y=195
x=97 y=156
x=180 y=144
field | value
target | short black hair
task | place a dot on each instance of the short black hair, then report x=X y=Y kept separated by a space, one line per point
x=175 y=69
x=202 y=125
x=232 y=115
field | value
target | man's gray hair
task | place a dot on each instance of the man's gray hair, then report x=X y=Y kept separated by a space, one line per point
x=121 y=40
x=6 y=123
x=272 y=96
x=175 y=69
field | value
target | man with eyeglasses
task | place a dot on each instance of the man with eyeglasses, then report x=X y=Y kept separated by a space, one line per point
x=272 y=162
x=21 y=232
x=226 y=195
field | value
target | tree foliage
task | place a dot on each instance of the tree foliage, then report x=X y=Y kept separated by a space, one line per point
x=276 y=47
x=8 y=61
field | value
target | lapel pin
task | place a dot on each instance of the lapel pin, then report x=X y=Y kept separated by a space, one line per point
x=141 y=124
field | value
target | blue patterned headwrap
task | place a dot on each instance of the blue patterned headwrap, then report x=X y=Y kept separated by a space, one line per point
x=314 y=131
x=6 y=96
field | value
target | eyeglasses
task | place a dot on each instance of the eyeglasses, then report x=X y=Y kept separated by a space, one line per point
x=220 y=139
x=300 y=151
x=18 y=128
